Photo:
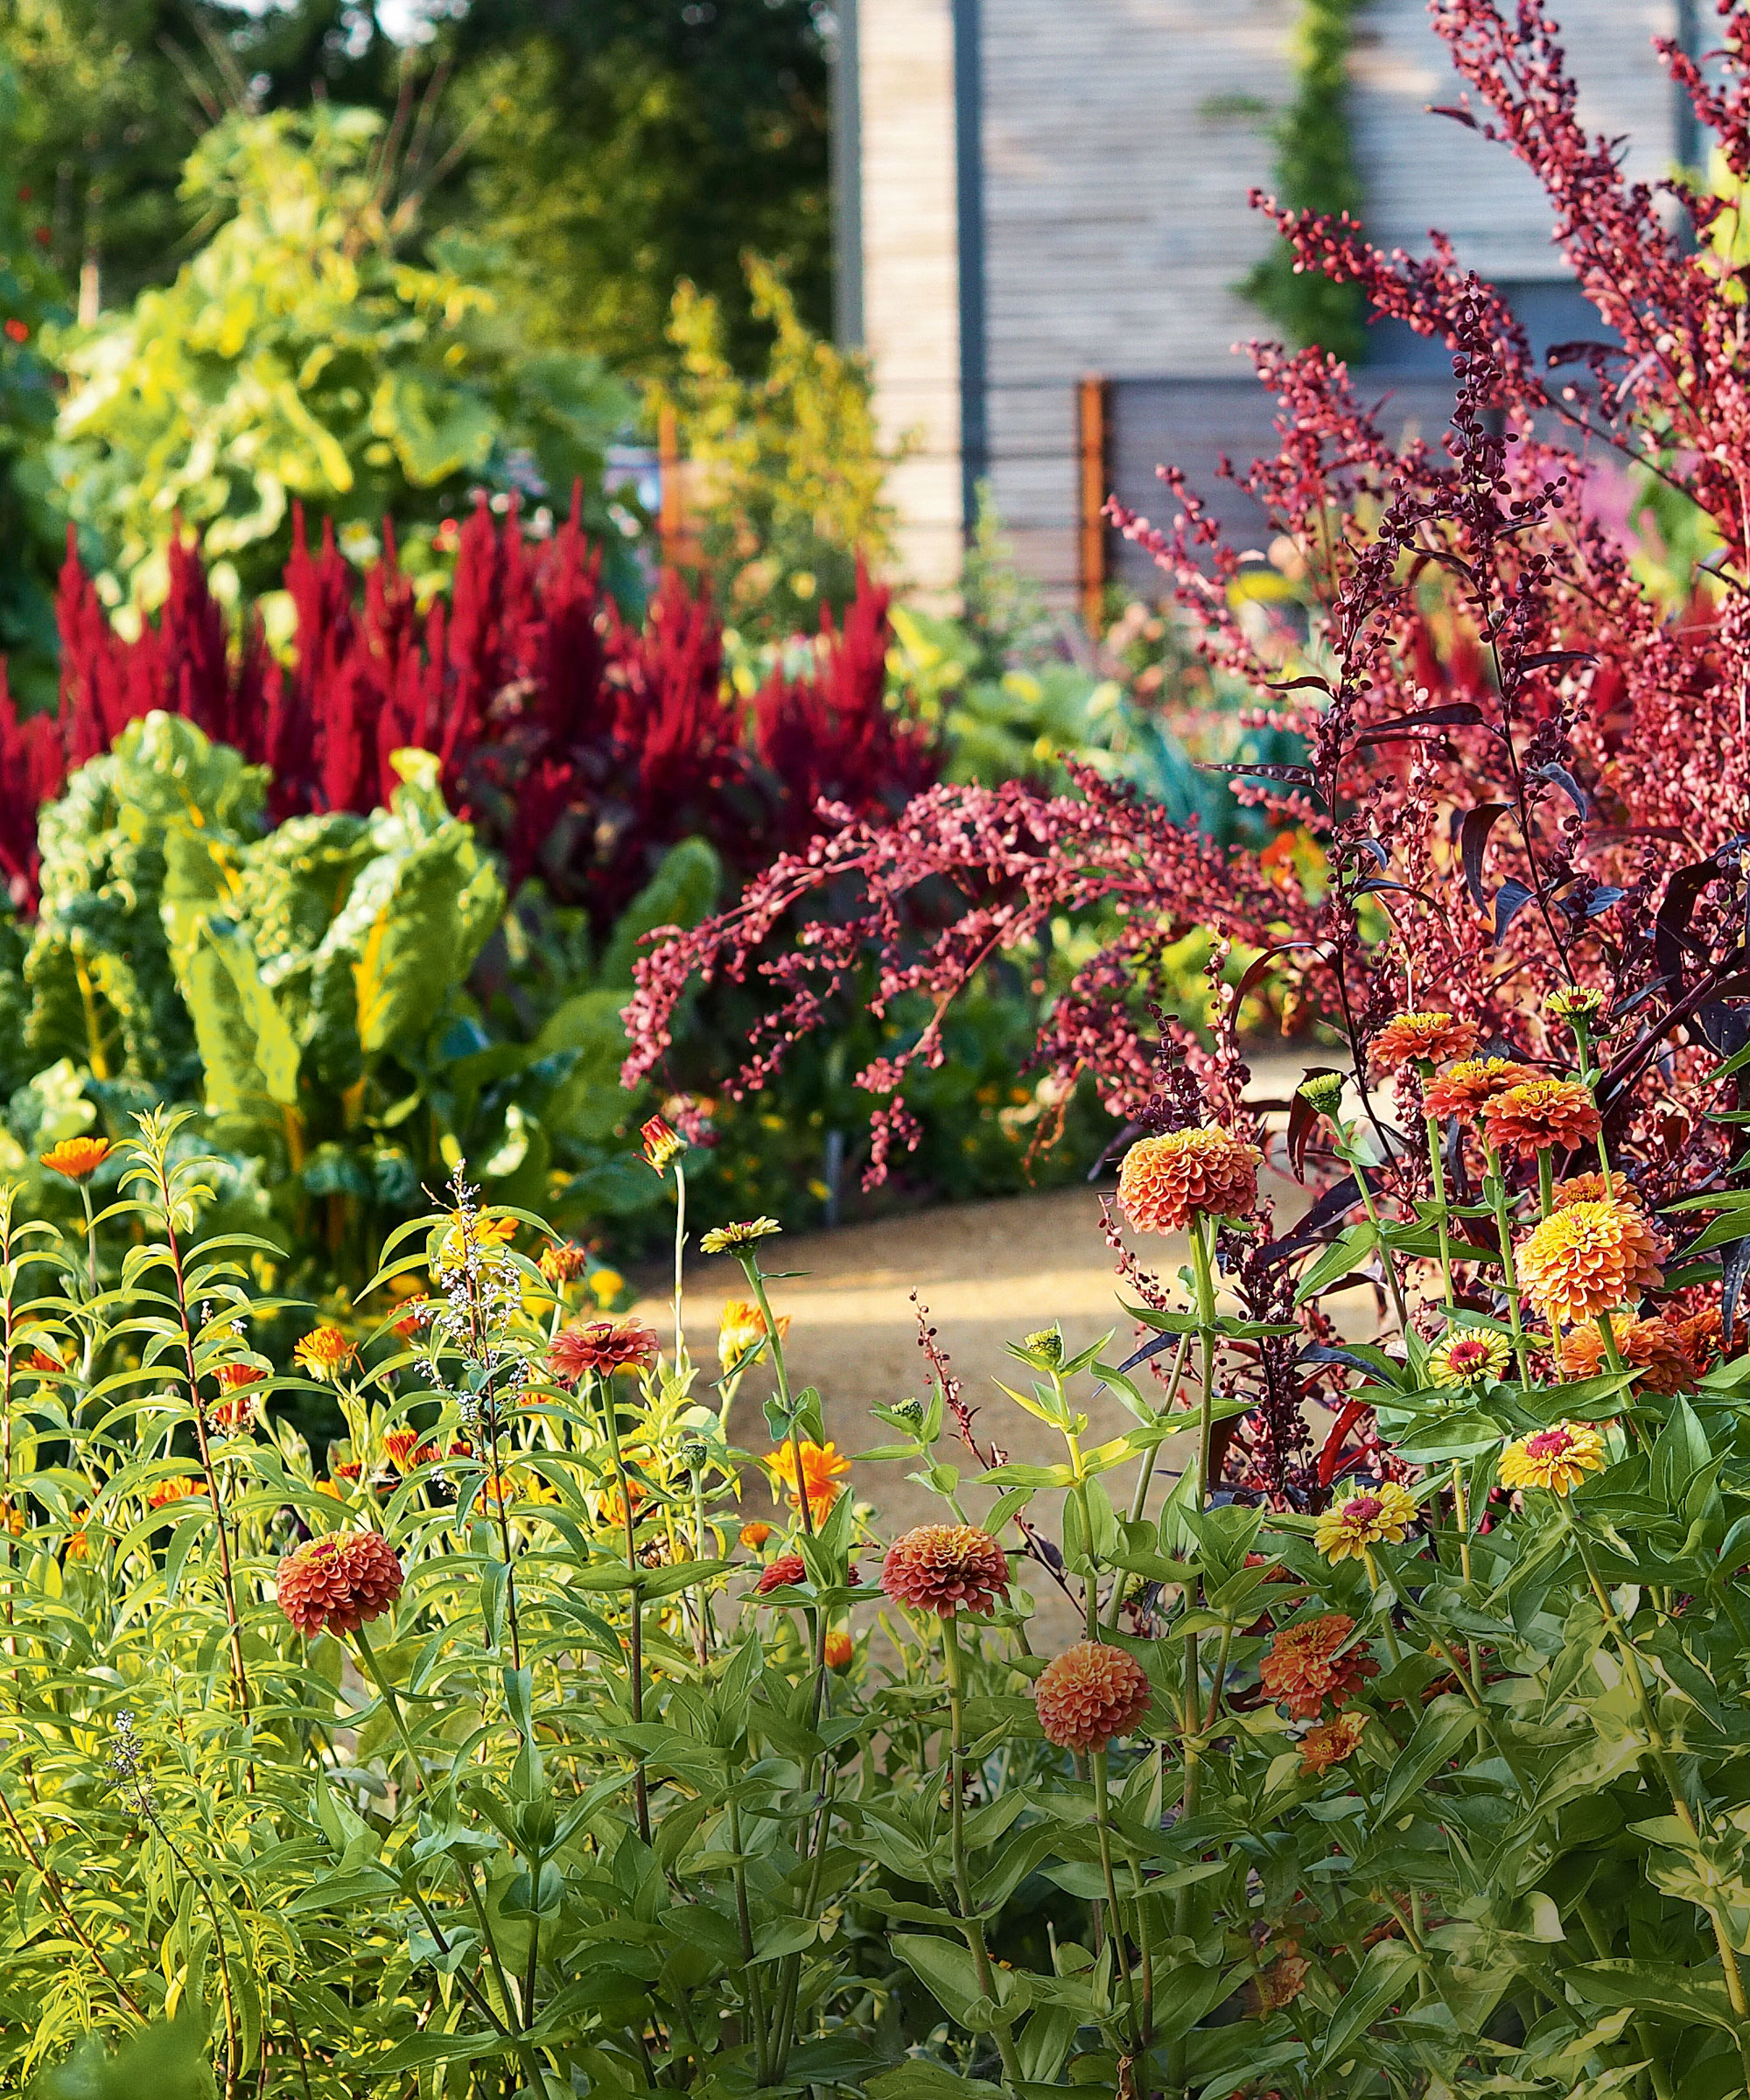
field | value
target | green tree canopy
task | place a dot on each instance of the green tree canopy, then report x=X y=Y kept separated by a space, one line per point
x=311 y=350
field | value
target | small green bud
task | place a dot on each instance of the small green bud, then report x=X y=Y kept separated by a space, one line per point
x=1046 y=1342
x=911 y=1412
x=1323 y=1092
x=695 y=1454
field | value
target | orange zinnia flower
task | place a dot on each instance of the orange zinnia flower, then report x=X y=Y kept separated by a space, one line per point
x=1588 y=1259
x=162 y=1494
x=399 y=1445
x=1310 y=1662
x=339 y=1583
x=662 y=1141
x=946 y=1568
x=1167 y=1181
x=78 y=1158
x=1331 y=1742
x=840 y=1647
x=1658 y=1348
x=1589 y=1188
x=1090 y=1693
x=822 y=1467
x=1434 y=1037
x=754 y=1536
x=1540 y=1116
x=415 y=1307
x=324 y=1353
x=1463 y=1089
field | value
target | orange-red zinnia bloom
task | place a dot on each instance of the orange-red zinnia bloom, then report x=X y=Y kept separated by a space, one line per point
x=415 y=1308
x=602 y=1345
x=1167 y=1181
x=780 y=1573
x=162 y=1494
x=1541 y=1116
x=399 y=1445
x=78 y=1158
x=1331 y=1742
x=946 y=1568
x=1463 y=1089
x=840 y=1647
x=662 y=1141
x=1090 y=1693
x=1588 y=1259
x=754 y=1536
x=339 y=1583
x=1303 y=1667
x=1433 y=1036
x=1669 y=1355
x=1590 y=1188
x=822 y=1467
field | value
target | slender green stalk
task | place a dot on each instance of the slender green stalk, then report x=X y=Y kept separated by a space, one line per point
x=971 y=1924
x=756 y=2008
x=1146 y=1472
x=1442 y=1225
x=1503 y=1233
x=680 y=1250
x=1546 y=1184
x=379 y=1678
x=1102 y=1825
x=634 y=1671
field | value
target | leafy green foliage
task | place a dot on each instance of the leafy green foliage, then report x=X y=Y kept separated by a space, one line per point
x=307 y=354
x=787 y=469
x=1315 y=171
x=633 y=143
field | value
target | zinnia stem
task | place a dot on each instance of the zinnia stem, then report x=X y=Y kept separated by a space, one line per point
x=1203 y=1270
x=1503 y=1233
x=1546 y=1184
x=379 y=1678
x=1437 y=1167
x=679 y=1249
x=634 y=1595
x=971 y=1924
x=1102 y=1825
x=1613 y=1355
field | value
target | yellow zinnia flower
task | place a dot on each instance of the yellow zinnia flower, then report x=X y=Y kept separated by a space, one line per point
x=1558 y=1457
x=1377 y=1515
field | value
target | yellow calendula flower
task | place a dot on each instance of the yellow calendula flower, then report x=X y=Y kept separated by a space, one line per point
x=1558 y=1457
x=1378 y=1516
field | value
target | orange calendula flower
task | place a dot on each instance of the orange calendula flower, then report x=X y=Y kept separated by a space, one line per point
x=1558 y=1457
x=1313 y=1661
x=1660 y=1349
x=1541 y=1116
x=1090 y=1693
x=563 y=1262
x=1167 y=1181
x=1416 y=1036
x=780 y=1574
x=946 y=1568
x=1378 y=1516
x=662 y=1141
x=1588 y=1259
x=821 y=1470
x=754 y=1536
x=1462 y=1091
x=415 y=1311
x=477 y=1231
x=337 y=1583
x=741 y=1333
x=78 y=1540
x=840 y=1648
x=11 y=1517
x=1330 y=1743
x=78 y=1158
x=324 y=1353
x=1469 y=1357
x=162 y=1494
x=399 y=1445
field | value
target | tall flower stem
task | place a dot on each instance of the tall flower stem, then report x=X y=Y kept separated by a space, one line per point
x=1546 y=1184
x=634 y=1671
x=1203 y=1275
x=680 y=1250
x=1503 y=1233
x=971 y=1924
x=387 y=1691
x=89 y=1354
x=1442 y=1226
x=1102 y=1825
